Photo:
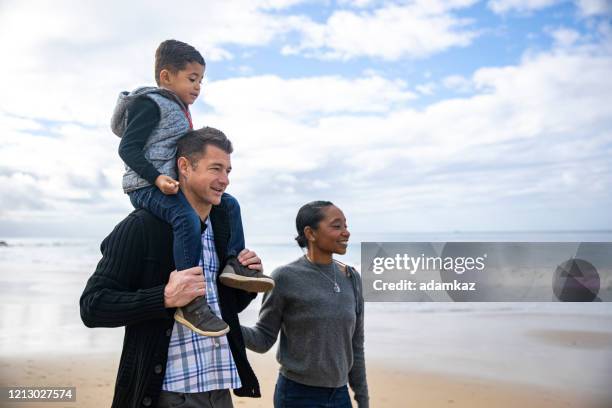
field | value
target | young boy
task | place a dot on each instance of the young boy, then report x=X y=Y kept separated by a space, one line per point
x=150 y=120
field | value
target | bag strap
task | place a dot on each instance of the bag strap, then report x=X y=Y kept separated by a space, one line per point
x=352 y=274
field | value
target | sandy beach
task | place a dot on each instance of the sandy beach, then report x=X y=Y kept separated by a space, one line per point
x=417 y=354
x=390 y=387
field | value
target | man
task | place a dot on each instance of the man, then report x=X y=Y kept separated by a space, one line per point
x=164 y=364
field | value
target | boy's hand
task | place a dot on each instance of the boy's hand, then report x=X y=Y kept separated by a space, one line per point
x=167 y=185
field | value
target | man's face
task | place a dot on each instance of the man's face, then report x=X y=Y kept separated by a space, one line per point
x=209 y=179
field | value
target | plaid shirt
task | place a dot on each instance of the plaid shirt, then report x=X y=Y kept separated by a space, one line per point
x=199 y=363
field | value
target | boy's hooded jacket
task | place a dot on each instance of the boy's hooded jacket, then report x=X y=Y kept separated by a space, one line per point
x=160 y=149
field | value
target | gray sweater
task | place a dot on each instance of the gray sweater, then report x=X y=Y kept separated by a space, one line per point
x=321 y=341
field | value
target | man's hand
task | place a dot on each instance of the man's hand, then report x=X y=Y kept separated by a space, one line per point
x=249 y=258
x=184 y=286
x=166 y=184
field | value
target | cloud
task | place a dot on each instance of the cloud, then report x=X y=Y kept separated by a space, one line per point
x=415 y=30
x=67 y=172
x=504 y=6
x=534 y=136
x=565 y=37
x=356 y=3
x=278 y=4
x=586 y=8
x=458 y=83
x=70 y=53
x=300 y=97
x=531 y=138
x=522 y=145
x=428 y=88
x=594 y=7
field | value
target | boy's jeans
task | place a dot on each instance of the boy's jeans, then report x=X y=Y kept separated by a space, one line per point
x=186 y=227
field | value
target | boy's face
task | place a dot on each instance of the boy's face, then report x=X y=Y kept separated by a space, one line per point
x=184 y=83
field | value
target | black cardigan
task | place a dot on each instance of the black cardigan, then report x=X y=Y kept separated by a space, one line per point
x=127 y=289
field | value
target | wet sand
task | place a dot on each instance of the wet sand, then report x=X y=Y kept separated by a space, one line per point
x=94 y=376
x=418 y=355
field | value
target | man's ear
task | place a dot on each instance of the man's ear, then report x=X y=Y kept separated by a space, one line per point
x=183 y=166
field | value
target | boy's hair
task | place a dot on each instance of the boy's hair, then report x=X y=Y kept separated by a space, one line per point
x=193 y=145
x=174 y=55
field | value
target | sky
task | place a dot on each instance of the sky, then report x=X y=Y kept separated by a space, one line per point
x=419 y=115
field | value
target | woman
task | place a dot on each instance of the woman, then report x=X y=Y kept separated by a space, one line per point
x=318 y=308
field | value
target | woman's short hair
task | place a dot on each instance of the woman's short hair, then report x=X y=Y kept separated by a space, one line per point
x=310 y=215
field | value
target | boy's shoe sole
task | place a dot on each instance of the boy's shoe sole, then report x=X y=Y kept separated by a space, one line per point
x=246 y=283
x=178 y=316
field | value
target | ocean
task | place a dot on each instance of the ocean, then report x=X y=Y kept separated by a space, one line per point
x=551 y=344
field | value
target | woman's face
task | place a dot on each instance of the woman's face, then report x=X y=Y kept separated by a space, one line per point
x=332 y=235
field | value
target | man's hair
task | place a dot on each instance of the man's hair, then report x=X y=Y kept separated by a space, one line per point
x=193 y=145
x=174 y=56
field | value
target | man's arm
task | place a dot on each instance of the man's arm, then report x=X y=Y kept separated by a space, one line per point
x=108 y=299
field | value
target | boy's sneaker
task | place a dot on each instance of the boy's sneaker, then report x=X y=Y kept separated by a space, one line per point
x=235 y=275
x=198 y=317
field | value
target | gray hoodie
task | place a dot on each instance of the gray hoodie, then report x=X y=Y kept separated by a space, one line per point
x=160 y=148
